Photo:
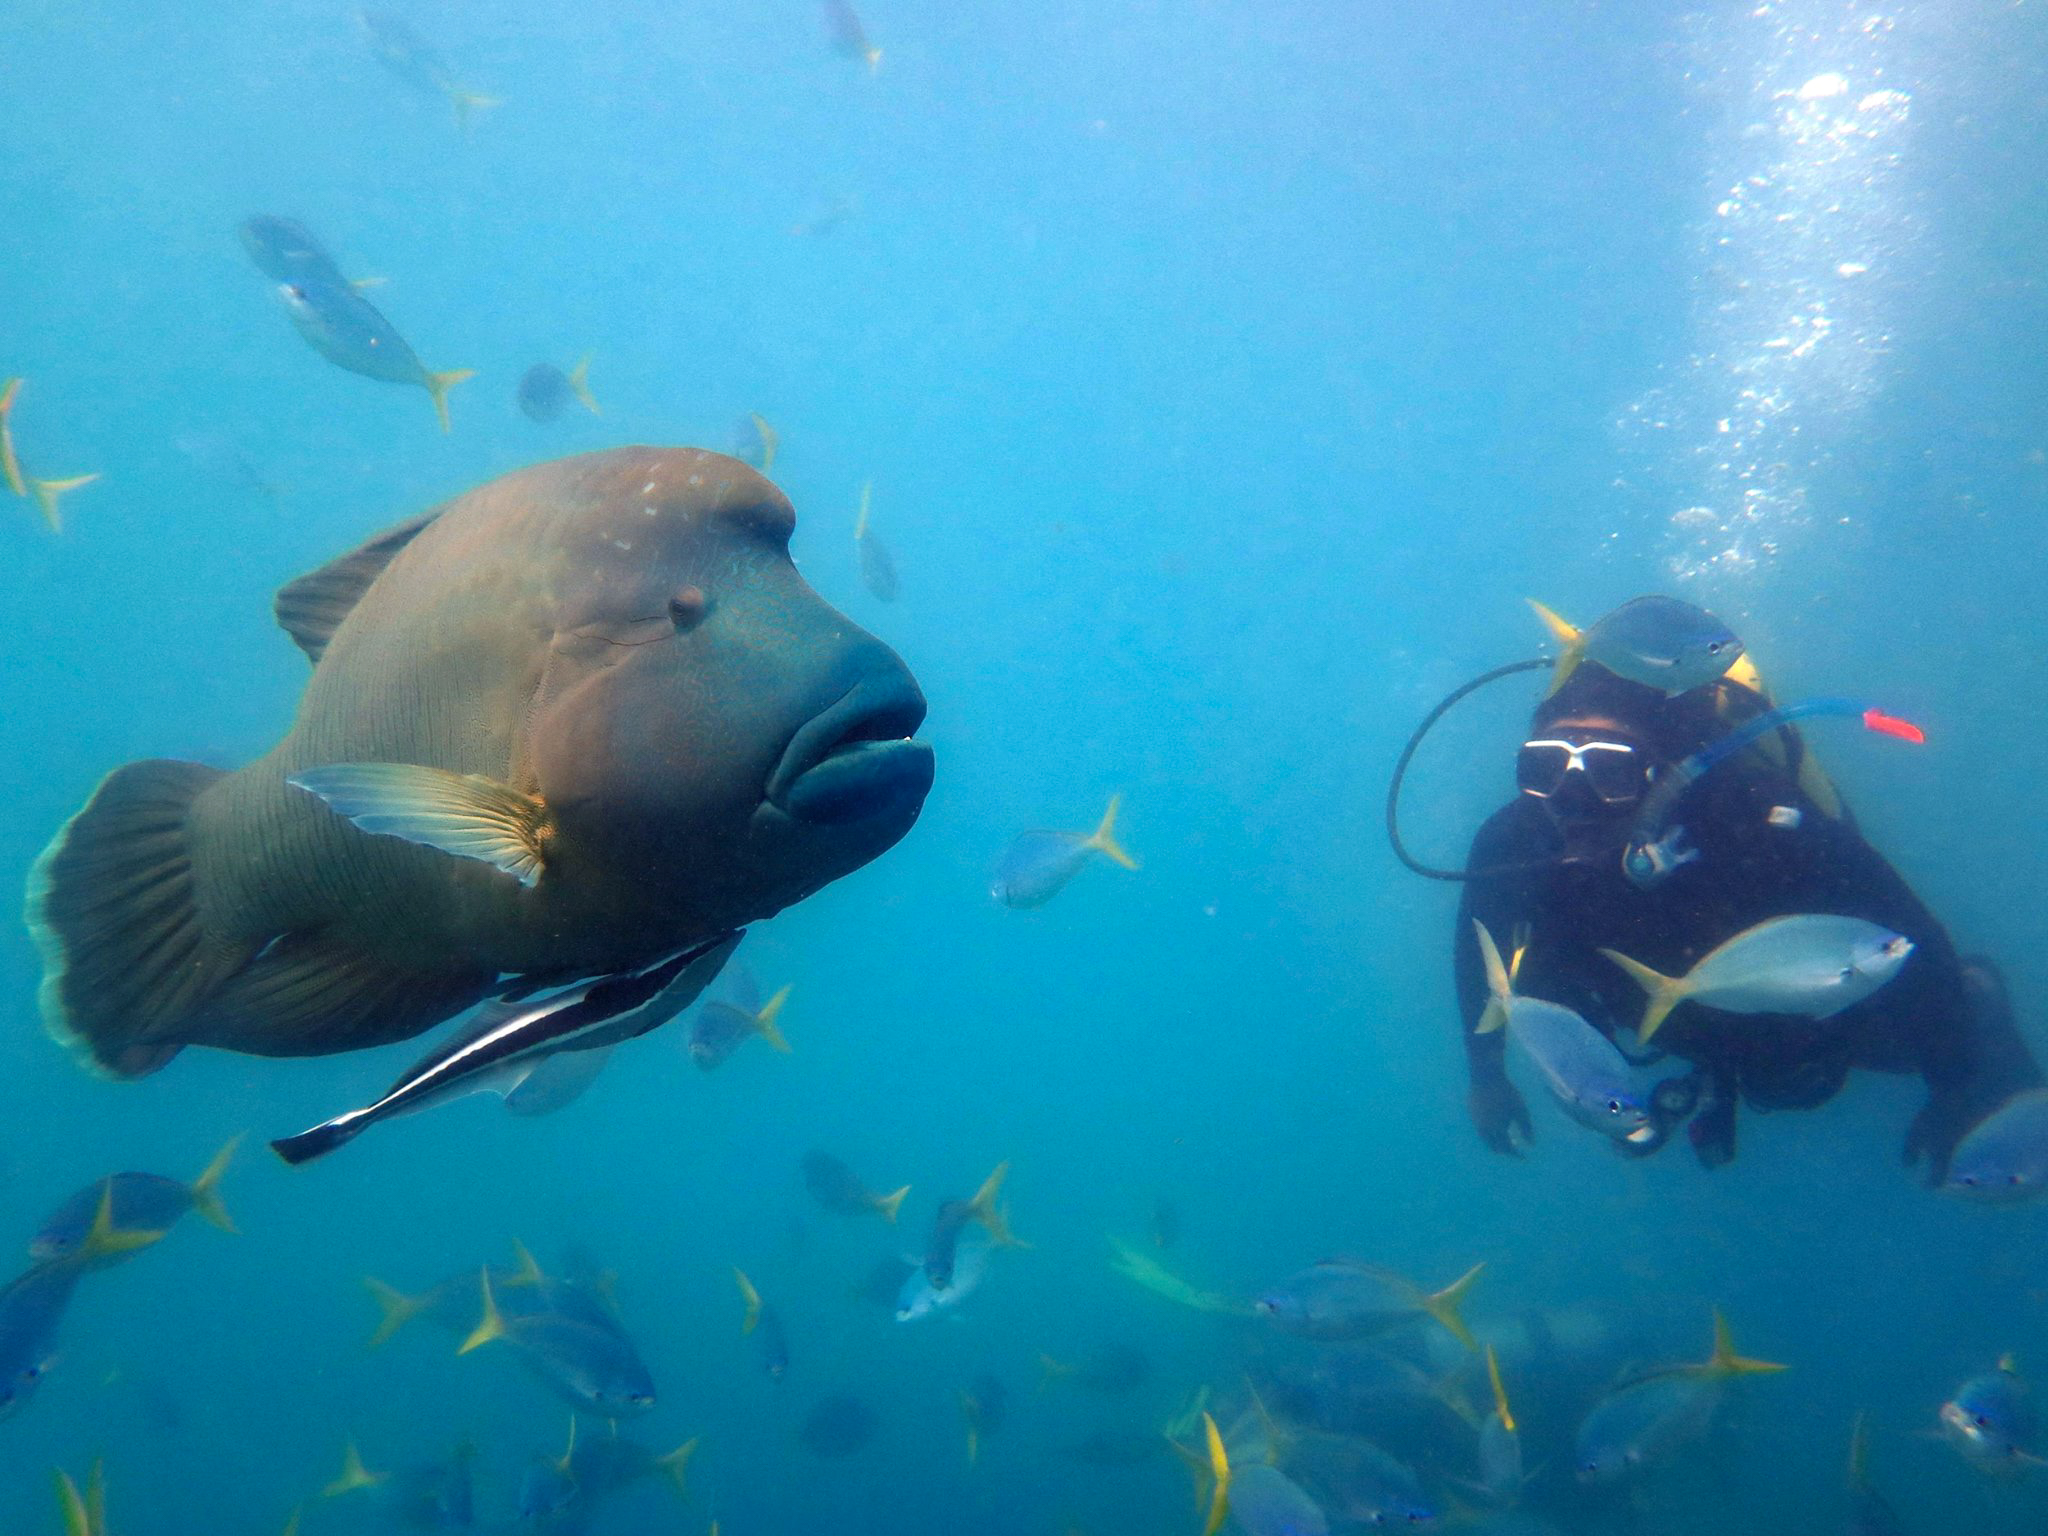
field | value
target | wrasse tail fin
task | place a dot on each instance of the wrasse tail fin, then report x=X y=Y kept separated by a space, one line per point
x=1103 y=839
x=1662 y=993
x=438 y=385
x=126 y=956
x=1443 y=1305
x=463 y=814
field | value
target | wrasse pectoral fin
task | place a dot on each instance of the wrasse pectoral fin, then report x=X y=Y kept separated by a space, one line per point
x=463 y=814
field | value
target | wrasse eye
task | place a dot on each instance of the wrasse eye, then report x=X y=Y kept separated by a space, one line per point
x=686 y=610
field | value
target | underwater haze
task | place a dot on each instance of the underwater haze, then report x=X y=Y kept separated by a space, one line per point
x=1218 y=379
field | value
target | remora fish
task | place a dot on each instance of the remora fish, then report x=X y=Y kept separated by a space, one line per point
x=352 y=333
x=507 y=1042
x=1809 y=963
x=756 y=748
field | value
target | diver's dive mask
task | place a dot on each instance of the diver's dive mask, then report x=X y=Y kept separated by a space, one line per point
x=1614 y=772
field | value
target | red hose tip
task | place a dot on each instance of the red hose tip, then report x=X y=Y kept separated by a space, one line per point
x=1891 y=725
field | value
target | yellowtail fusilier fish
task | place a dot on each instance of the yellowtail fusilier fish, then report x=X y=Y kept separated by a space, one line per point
x=1344 y=1299
x=953 y=1217
x=1991 y=1422
x=582 y=1354
x=837 y=1188
x=116 y=1217
x=765 y=1323
x=1660 y=642
x=1810 y=963
x=31 y=1309
x=285 y=251
x=422 y=1496
x=877 y=565
x=1264 y=1501
x=2004 y=1157
x=415 y=61
x=592 y=1469
x=1037 y=866
x=352 y=333
x=722 y=1027
x=545 y=391
x=1643 y=1422
x=1351 y=1479
x=507 y=1041
x=45 y=493
x=1584 y=1070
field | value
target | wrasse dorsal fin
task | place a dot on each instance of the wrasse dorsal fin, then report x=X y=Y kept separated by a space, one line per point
x=311 y=608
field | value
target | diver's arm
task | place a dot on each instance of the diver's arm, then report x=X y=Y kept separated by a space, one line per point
x=1959 y=1037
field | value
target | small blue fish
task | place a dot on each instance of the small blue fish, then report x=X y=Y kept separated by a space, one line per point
x=1660 y=642
x=721 y=1027
x=31 y=1308
x=1581 y=1067
x=1642 y=1423
x=352 y=333
x=1991 y=1422
x=1264 y=1501
x=285 y=251
x=593 y=1468
x=1038 y=865
x=919 y=1298
x=580 y=1352
x=415 y=61
x=1343 y=1299
x=114 y=1218
x=430 y=1496
x=2004 y=1158
x=764 y=1323
x=545 y=391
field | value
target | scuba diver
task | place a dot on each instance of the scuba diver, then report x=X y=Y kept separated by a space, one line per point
x=1658 y=820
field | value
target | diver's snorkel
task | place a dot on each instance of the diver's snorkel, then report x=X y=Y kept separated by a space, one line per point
x=1652 y=854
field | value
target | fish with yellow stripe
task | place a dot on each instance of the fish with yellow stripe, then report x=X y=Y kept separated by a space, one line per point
x=118 y=1216
x=1040 y=863
x=84 y=1512
x=45 y=493
x=1644 y=1421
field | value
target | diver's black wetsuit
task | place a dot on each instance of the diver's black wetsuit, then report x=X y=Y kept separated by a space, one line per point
x=1938 y=1017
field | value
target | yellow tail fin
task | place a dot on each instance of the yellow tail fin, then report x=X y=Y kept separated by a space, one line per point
x=1499 y=988
x=1443 y=1306
x=492 y=1327
x=973 y=1445
x=438 y=385
x=72 y=1506
x=751 y=1297
x=1500 y=1392
x=468 y=103
x=676 y=1464
x=529 y=1271
x=860 y=521
x=995 y=1219
x=1104 y=840
x=887 y=1206
x=1051 y=1370
x=206 y=1188
x=1662 y=993
x=771 y=440
x=579 y=381
x=9 y=464
x=291 y=1521
x=396 y=1309
x=765 y=1025
x=1725 y=1362
x=104 y=1240
x=1571 y=645
x=1219 y=1468
x=354 y=1474
x=46 y=493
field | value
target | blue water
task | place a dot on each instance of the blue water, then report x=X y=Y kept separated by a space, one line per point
x=1226 y=375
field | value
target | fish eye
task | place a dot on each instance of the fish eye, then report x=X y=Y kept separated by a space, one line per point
x=1614 y=1106
x=686 y=610
x=1713 y=647
x=1983 y=1421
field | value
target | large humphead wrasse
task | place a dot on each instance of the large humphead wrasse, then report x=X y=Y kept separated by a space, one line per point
x=631 y=726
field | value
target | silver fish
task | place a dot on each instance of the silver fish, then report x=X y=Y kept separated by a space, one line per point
x=2004 y=1158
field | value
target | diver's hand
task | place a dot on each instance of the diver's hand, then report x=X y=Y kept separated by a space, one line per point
x=1499 y=1114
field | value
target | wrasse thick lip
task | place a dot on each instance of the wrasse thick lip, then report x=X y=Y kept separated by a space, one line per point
x=880 y=709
